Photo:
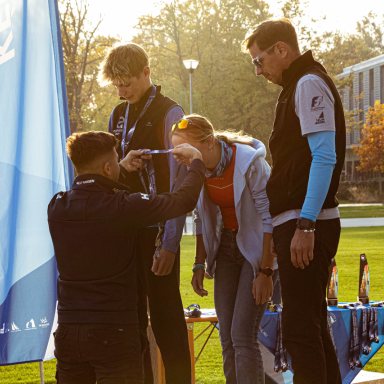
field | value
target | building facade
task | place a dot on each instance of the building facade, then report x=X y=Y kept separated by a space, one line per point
x=368 y=79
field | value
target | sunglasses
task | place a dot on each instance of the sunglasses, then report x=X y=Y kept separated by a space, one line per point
x=257 y=61
x=182 y=124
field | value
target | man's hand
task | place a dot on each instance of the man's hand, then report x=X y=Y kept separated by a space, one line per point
x=185 y=154
x=262 y=288
x=302 y=248
x=134 y=160
x=163 y=264
x=198 y=282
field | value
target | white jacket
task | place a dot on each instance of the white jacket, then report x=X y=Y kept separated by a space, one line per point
x=251 y=203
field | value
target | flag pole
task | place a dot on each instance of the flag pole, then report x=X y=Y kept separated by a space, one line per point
x=41 y=372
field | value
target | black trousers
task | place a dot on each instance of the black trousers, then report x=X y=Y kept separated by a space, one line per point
x=106 y=353
x=166 y=310
x=304 y=317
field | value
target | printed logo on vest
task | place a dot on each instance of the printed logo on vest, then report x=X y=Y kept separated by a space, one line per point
x=317 y=103
x=320 y=119
x=149 y=124
x=120 y=123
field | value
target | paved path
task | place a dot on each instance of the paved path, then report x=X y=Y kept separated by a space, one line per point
x=369 y=377
x=361 y=205
x=345 y=223
x=363 y=222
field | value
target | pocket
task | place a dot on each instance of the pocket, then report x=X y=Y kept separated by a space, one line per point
x=60 y=333
x=106 y=337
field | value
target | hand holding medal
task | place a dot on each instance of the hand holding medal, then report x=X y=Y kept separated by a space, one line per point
x=185 y=154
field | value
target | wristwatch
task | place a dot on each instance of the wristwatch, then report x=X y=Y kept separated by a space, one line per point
x=305 y=225
x=268 y=272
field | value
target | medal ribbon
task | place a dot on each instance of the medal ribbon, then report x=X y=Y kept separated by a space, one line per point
x=281 y=359
x=371 y=328
x=376 y=331
x=355 y=337
x=127 y=138
x=330 y=330
x=366 y=345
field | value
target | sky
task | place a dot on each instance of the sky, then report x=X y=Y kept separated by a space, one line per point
x=121 y=16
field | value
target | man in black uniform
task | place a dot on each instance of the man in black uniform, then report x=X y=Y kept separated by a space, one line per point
x=144 y=120
x=93 y=229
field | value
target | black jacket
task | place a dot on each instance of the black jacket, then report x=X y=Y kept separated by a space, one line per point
x=291 y=155
x=93 y=232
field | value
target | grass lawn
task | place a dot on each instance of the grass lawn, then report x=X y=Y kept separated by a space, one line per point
x=209 y=369
x=358 y=212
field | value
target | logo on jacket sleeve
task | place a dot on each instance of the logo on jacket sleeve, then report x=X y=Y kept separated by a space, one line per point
x=320 y=119
x=317 y=103
x=144 y=196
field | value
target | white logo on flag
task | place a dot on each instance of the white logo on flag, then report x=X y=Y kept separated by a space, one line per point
x=4 y=55
x=30 y=324
x=44 y=322
x=15 y=328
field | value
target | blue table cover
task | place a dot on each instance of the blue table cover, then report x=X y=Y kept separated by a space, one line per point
x=341 y=325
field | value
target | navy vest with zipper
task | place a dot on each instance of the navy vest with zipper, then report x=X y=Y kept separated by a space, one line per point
x=149 y=134
x=291 y=154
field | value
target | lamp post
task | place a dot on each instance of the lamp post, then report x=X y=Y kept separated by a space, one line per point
x=191 y=65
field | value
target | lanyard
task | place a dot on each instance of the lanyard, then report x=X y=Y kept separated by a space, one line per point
x=354 y=346
x=281 y=358
x=127 y=138
x=148 y=166
x=376 y=330
x=365 y=342
x=330 y=330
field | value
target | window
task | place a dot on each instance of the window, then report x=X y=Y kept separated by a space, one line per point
x=371 y=89
x=361 y=100
x=349 y=171
x=382 y=84
x=350 y=99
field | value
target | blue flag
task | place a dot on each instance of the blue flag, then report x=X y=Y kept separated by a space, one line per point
x=34 y=125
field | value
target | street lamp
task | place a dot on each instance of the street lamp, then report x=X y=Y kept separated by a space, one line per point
x=191 y=65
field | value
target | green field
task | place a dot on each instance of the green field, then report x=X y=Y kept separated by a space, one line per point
x=358 y=212
x=208 y=370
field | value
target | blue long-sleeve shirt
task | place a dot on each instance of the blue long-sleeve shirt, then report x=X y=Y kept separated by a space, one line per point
x=173 y=228
x=322 y=146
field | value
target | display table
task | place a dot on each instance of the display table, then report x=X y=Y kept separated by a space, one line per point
x=341 y=325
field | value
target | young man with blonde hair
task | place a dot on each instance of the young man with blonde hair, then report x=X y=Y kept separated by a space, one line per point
x=144 y=120
x=307 y=145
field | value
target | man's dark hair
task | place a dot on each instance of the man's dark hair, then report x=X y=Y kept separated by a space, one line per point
x=85 y=147
x=270 y=32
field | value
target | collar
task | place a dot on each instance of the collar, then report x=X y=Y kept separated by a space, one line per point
x=92 y=182
x=140 y=104
x=298 y=67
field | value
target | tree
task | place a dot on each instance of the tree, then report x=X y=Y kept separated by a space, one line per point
x=225 y=86
x=83 y=51
x=371 y=150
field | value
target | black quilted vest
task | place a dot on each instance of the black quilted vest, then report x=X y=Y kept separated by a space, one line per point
x=291 y=155
x=149 y=133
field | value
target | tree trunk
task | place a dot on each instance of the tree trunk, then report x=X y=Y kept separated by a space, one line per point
x=380 y=186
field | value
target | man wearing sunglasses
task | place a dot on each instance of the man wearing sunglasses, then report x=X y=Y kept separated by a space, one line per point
x=144 y=120
x=307 y=145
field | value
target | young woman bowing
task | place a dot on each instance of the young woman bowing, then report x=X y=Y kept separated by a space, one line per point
x=233 y=234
